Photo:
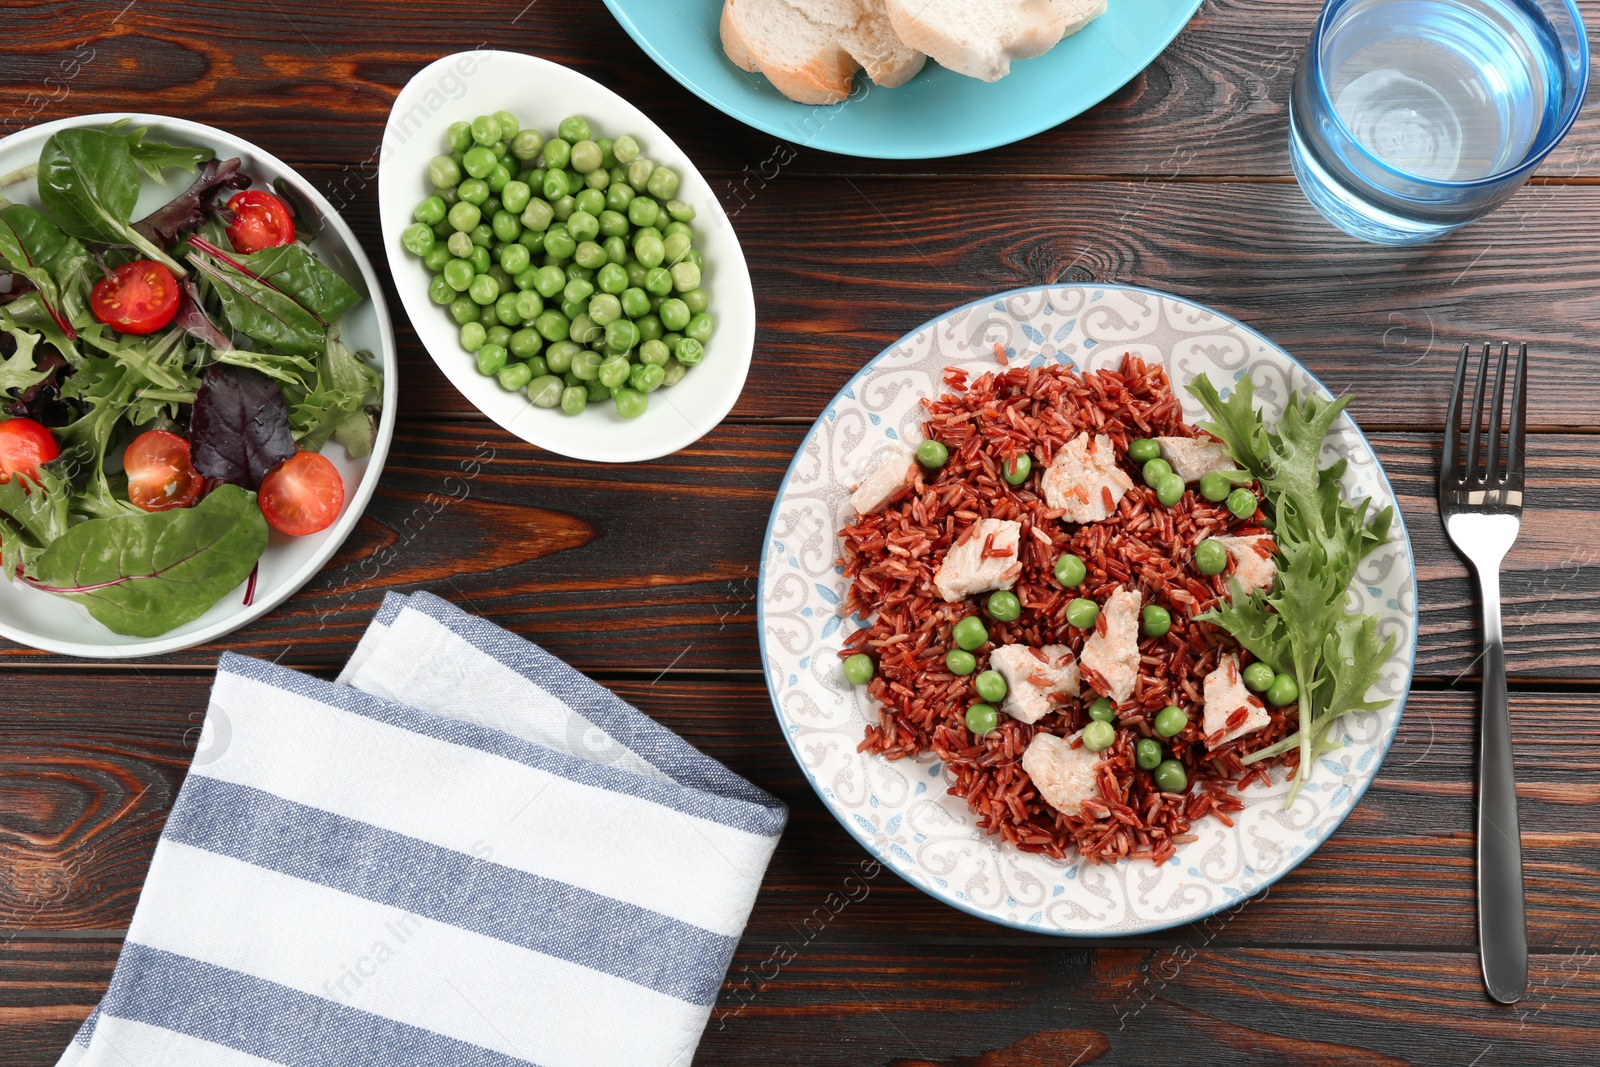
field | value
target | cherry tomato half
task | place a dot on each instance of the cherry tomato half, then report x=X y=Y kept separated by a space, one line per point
x=24 y=444
x=137 y=297
x=160 y=475
x=261 y=220
x=302 y=495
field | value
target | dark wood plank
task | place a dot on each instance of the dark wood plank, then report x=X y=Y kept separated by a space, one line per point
x=1214 y=104
x=85 y=787
x=646 y=566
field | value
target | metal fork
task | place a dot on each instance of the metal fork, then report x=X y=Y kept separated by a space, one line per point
x=1480 y=500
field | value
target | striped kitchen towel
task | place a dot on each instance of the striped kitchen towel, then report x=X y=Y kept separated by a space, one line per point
x=463 y=854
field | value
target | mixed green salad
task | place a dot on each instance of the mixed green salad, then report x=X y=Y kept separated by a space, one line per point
x=167 y=383
x=1304 y=626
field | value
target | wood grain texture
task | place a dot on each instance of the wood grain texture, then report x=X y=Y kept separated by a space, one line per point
x=85 y=790
x=655 y=565
x=1214 y=104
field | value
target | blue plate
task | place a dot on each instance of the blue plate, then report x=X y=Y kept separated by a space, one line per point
x=937 y=113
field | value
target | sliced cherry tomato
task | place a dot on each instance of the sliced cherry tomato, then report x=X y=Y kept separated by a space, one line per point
x=261 y=220
x=160 y=475
x=137 y=297
x=24 y=444
x=302 y=495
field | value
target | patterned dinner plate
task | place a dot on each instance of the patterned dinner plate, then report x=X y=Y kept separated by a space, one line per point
x=900 y=811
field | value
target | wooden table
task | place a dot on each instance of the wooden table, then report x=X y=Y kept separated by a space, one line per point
x=644 y=576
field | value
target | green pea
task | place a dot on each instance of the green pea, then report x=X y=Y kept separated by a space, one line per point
x=506 y=226
x=970 y=633
x=527 y=144
x=583 y=226
x=463 y=310
x=514 y=376
x=486 y=130
x=619 y=194
x=1170 y=777
x=685 y=277
x=689 y=352
x=465 y=216
x=663 y=183
x=608 y=152
x=459 y=274
x=1210 y=557
x=700 y=327
x=578 y=291
x=552 y=325
x=1003 y=606
x=617 y=251
x=514 y=260
x=1143 y=450
x=859 y=669
x=654 y=353
x=646 y=377
x=1258 y=677
x=1016 y=470
x=1242 y=503
x=930 y=453
x=499 y=149
x=1147 y=753
x=417 y=238
x=587 y=157
x=650 y=328
x=562 y=208
x=584 y=330
x=1082 y=613
x=436 y=257
x=621 y=336
x=526 y=343
x=597 y=391
x=574 y=310
x=499 y=334
x=574 y=128
x=439 y=291
x=1070 y=570
x=590 y=255
x=636 y=304
x=484 y=289
x=626 y=149
x=498 y=178
x=1215 y=486
x=960 y=661
x=556 y=186
x=991 y=686
x=479 y=162
x=557 y=154
x=1170 y=721
x=486 y=316
x=1155 y=470
x=586 y=365
x=505 y=309
x=630 y=402
x=447 y=197
x=473 y=336
x=1101 y=710
x=696 y=300
x=549 y=281
x=675 y=315
x=458 y=136
x=658 y=280
x=482 y=236
x=1156 y=620
x=982 y=719
x=1282 y=691
x=1169 y=490
x=574 y=398
x=431 y=211
x=605 y=308
x=508 y=124
x=538 y=215
x=545 y=391
x=643 y=211
x=680 y=211
x=1099 y=736
x=649 y=250
x=559 y=356
x=676 y=245
x=639 y=172
x=491 y=358
x=614 y=371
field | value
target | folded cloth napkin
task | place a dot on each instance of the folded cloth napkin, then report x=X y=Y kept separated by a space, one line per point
x=464 y=853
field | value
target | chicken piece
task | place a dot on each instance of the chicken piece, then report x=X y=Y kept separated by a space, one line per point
x=1225 y=694
x=983 y=558
x=1254 y=570
x=1192 y=458
x=1064 y=776
x=1082 y=477
x=890 y=481
x=1033 y=676
x=1111 y=655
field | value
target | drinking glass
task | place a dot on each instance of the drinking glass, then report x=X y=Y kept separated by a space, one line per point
x=1411 y=118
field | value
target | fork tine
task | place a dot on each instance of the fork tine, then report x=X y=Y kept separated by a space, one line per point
x=1491 y=470
x=1515 y=452
x=1470 y=473
x=1450 y=468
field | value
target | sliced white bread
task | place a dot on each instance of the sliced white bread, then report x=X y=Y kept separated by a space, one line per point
x=811 y=49
x=981 y=39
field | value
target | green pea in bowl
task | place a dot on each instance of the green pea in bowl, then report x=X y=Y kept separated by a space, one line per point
x=562 y=260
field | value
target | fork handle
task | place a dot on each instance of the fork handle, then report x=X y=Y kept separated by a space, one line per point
x=1502 y=921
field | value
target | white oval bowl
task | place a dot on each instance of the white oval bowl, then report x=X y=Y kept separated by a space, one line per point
x=541 y=94
x=56 y=624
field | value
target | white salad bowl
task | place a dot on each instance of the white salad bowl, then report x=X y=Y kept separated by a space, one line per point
x=55 y=624
x=541 y=94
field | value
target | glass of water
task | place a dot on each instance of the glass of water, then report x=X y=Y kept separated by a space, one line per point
x=1412 y=118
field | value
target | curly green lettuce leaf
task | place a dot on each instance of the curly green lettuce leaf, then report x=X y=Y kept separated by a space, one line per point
x=18 y=371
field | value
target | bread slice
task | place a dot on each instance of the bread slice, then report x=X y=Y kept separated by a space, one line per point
x=803 y=59
x=811 y=49
x=981 y=39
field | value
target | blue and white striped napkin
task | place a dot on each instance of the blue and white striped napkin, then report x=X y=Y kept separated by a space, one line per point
x=465 y=854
